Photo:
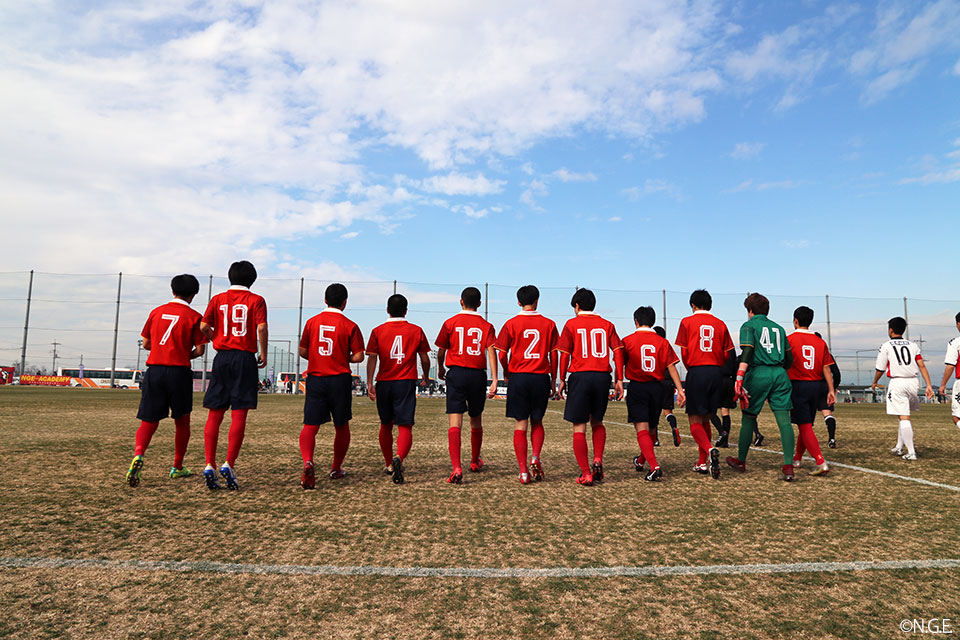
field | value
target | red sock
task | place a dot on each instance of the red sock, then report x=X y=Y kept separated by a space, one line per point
x=341 y=442
x=144 y=434
x=801 y=445
x=453 y=443
x=386 y=442
x=646 y=448
x=810 y=439
x=476 y=439
x=520 y=448
x=536 y=438
x=238 y=426
x=580 y=451
x=180 y=439
x=211 y=433
x=404 y=440
x=702 y=440
x=308 y=442
x=708 y=431
x=599 y=442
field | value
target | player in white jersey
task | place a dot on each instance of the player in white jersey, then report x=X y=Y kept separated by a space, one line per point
x=953 y=354
x=900 y=359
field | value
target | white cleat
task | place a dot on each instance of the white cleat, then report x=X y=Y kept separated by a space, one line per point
x=897 y=451
x=910 y=456
x=820 y=470
x=797 y=463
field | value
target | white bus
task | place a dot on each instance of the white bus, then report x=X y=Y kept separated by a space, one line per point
x=100 y=378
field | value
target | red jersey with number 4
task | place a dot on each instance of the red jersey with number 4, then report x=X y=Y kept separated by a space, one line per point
x=703 y=339
x=529 y=338
x=589 y=340
x=330 y=338
x=466 y=337
x=173 y=330
x=647 y=356
x=235 y=315
x=396 y=343
x=810 y=356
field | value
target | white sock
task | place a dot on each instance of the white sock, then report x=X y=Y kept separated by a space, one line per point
x=900 y=436
x=209 y=466
x=906 y=434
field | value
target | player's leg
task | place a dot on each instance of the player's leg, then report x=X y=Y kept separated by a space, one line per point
x=599 y=437
x=216 y=400
x=581 y=453
x=779 y=392
x=897 y=406
x=181 y=438
x=385 y=411
x=181 y=406
x=153 y=408
x=454 y=427
x=404 y=399
x=576 y=410
x=906 y=434
x=476 y=442
x=476 y=401
x=955 y=403
x=316 y=412
x=244 y=388
x=520 y=449
x=598 y=398
x=342 y=412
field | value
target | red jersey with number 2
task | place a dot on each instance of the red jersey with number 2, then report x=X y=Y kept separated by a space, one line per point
x=529 y=338
x=703 y=339
x=173 y=330
x=330 y=338
x=647 y=356
x=810 y=356
x=466 y=337
x=589 y=340
x=235 y=315
x=396 y=343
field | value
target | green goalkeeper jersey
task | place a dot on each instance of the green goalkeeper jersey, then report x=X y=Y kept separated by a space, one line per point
x=768 y=339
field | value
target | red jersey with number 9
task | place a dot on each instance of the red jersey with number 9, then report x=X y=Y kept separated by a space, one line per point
x=235 y=315
x=396 y=344
x=330 y=338
x=703 y=339
x=173 y=330
x=647 y=356
x=589 y=340
x=810 y=355
x=466 y=337
x=529 y=338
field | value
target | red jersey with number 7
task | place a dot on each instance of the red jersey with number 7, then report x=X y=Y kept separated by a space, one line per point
x=589 y=340
x=466 y=337
x=529 y=338
x=173 y=330
x=396 y=343
x=810 y=355
x=235 y=315
x=330 y=338
x=647 y=356
x=704 y=340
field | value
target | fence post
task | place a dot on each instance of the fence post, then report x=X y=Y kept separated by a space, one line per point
x=203 y=374
x=296 y=379
x=116 y=332
x=906 y=334
x=486 y=301
x=665 y=311
x=829 y=338
x=26 y=327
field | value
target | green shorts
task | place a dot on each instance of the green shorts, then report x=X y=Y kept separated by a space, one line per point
x=765 y=383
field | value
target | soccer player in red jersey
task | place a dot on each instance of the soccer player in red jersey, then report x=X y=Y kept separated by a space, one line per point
x=395 y=344
x=809 y=373
x=704 y=343
x=584 y=348
x=235 y=321
x=172 y=336
x=647 y=356
x=331 y=343
x=465 y=346
x=526 y=344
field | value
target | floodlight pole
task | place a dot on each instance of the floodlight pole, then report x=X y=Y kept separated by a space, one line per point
x=906 y=334
x=486 y=301
x=296 y=379
x=664 y=319
x=203 y=374
x=116 y=332
x=26 y=327
x=829 y=339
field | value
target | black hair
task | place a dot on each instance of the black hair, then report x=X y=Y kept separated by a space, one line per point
x=803 y=316
x=185 y=285
x=898 y=325
x=645 y=317
x=757 y=304
x=242 y=273
x=701 y=299
x=528 y=294
x=584 y=298
x=397 y=305
x=335 y=295
x=660 y=331
x=957 y=318
x=817 y=333
x=470 y=298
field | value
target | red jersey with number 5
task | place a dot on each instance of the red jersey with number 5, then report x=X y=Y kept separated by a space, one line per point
x=589 y=340
x=173 y=330
x=703 y=339
x=466 y=337
x=647 y=356
x=235 y=315
x=529 y=338
x=810 y=355
x=330 y=338
x=396 y=343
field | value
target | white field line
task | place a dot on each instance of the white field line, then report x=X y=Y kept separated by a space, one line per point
x=465 y=572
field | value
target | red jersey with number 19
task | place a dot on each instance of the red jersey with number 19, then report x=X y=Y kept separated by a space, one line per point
x=589 y=340
x=396 y=344
x=173 y=330
x=810 y=355
x=466 y=337
x=529 y=337
x=647 y=356
x=235 y=315
x=703 y=339
x=330 y=338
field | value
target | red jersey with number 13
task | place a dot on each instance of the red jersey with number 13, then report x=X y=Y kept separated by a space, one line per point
x=810 y=356
x=173 y=330
x=589 y=340
x=330 y=338
x=396 y=344
x=466 y=337
x=703 y=339
x=529 y=337
x=235 y=315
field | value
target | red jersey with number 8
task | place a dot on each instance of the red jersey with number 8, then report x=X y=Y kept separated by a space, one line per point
x=810 y=356
x=235 y=315
x=703 y=339
x=589 y=340
x=466 y=337
x=396 y=343
x=173 y=330
x=647 y=356
x=330 y=338
x=529 y=338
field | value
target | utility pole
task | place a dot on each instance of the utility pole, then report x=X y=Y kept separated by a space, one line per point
x=139 y=347
x=55 y=357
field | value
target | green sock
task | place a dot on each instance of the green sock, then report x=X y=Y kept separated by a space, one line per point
x=786 y=435
x=746 y=436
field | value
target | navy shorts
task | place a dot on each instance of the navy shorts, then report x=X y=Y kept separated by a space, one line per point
x=234 y=381
x=328 y=397
x=587 y=395
x=727 y=392
x=397 y=401
x=669 y=391
x=807 y=396
x=645 y=401
x=466 y=390
x=528 y=395
x=704 y=389
x=165 y=391
x=822 y=402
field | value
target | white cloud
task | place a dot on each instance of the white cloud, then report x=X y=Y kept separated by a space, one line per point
x=535 y=188
x=936 y=177
x=458 y=184
x=650 y=187
x=796 y=244
x=469 y=211
x=743 y=150
x=614 y=219
x=565 y=175
x=750 y=185
x=350 y=235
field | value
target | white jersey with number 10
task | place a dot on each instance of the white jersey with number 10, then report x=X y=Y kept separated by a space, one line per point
x=898 y=358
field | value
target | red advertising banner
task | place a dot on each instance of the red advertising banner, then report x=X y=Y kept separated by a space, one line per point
x=46 y=381
x=6 y=375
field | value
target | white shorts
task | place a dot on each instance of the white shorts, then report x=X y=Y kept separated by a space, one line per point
x=903 y=396
x=955 y=401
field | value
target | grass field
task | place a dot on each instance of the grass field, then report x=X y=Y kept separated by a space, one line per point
x=64 y=454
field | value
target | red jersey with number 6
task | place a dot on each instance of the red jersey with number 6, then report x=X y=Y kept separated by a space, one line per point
x=647 y=356
x=703 y=339
x=810 y=355
x=529 y=338
x=396 y=343
x=235 y=315
x=466 y=337
x=330 y=338
x=173 y=330
x=589 y=340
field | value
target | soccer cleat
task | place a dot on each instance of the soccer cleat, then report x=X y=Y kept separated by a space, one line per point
x=656 y=442
x=655 y=436
x=397 y=470
x=832 y=443
x=336 y=474
x=133 y=473
x=758 y=441
x=715 y=463
x=307 y=479
x=637 y=465
x=910 y=456
x=702 y=468
x=897 y=451
x=182 y=472
x=455 y=478
x=797 y=463
x=210 y=477
x=525 y=478
x=388 y=470
x=585 y=479
x=230 y=477
x=477 y=465
x=786 y=473
x=536 y=469
x=676 y=436
x=736 y=464
x=597 y=471
x=820 y=470
x=723 y=441
x=655 y=475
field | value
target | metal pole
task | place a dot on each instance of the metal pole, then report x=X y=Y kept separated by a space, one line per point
x=203 y=374
x=829 y=337
x=665 y=311
x=394 y=287
x=858 y=368
x=116 y=333
x=296 y=379
x=26 y=327
x=906 y=334
x=486 y=301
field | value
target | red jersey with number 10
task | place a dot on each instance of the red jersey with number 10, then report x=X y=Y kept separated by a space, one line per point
x=703 y=339
x=810 y=356
x=330 y=338
x=529 y=338
x=235 y=315
x=647 y=356
x=589 y=340
x=466 y=337
x=173 y=330
x=396 y=344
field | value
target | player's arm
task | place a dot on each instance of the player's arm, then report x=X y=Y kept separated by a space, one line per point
x=876 y=379
x=441 y=358
x=947 y=374
x=425 y=366
x=788 y=358
x=502 y=353
x=880 y=367
x=198 y=351
x=207 y=330
x=148 y=344
x=746 y=359
x=618 y=362
x=926 y=377
x=831 y=390
x=494 y=373
x=371 y=369
x=263 y=337
x=563 y=360
x=675 y=376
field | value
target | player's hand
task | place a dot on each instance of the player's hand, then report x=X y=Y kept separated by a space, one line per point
x=372 y=393
x=744 y=399
x=832 y=397
x=441 y=372
x=873 y=387
x=943 y=389
x=492 y=391
x=618 y=389
x=261 y=361
x=560 y=387
x=425 y=380
x=738 y=387
x=929 y=393
x=681 y=397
